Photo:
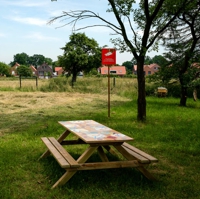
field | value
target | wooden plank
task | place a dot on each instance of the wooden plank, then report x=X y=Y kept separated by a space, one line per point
x=70 y=172
x=63 y=136
x=146 y=173
x=130 y=155
x=65 y=178
x=138 y=151
x=92 y=126
x=86 y=154
x=110 y=150
x=60 y=139
x=60 y=159
x=109 y=165
x=137 y=156
x=102 y=154
x=45 y=154
x=64 y=153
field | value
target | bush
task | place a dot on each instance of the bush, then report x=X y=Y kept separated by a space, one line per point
x=174 y=90
x=24 y=71
x=151 y=89
x=58 y=84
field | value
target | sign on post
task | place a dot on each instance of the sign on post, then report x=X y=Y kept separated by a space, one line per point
x=108 y=57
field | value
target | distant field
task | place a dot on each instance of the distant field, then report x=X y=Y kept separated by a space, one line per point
x=119 y=86
x=14 y=83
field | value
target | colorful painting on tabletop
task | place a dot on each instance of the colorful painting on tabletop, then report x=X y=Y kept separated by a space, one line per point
x=93 y=132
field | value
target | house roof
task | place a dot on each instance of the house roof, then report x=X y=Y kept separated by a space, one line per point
x=135 y=67
x=151 y=66
x=58 y=69
x=120 y=70
x=16 y=64
x=196 y=65
x=33 y=68
x=44 y=64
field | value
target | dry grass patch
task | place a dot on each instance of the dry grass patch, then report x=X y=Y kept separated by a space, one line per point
x=12 y=102
x=20 y=109
x=25 y=83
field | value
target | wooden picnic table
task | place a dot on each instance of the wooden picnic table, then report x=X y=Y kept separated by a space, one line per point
x=99 y=138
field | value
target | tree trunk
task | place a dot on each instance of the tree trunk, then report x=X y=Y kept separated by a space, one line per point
x=141 y=101
x=195 y=94
x=74 y=75
x=183 y=70
x=183 y=99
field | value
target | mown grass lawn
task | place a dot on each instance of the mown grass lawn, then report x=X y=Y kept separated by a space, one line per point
x=171 y=134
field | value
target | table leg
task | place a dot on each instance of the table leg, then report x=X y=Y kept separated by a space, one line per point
x=128 y=156
x=63 y=136
x=146 y=173
x=64 y=178
x=69 y=173
x=102 y=155
x=60 y=139
x=88 y=152
x=110 y=150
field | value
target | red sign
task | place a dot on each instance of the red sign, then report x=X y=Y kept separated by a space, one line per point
x=108 y=56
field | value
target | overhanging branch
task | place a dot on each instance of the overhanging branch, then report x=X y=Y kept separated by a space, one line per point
x=78 y=15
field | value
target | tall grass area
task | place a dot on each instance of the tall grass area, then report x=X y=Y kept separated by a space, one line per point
x=120 y=86
x=27 y=85
x=171 y=134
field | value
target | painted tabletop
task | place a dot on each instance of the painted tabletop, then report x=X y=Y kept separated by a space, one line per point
x=93 y=132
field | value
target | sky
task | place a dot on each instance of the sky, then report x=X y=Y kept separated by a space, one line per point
x=24 y=27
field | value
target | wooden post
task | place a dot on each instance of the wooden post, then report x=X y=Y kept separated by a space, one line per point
x=108 y=56
x=108 y=91
x=36 y=79
x=20 y=81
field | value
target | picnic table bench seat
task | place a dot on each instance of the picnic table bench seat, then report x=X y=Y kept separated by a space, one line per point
x=64 y=159
x=138 y=154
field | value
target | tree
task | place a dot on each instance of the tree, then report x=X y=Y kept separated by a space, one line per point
x=36 y=60
x=148 y=60
x=49 y=61
x=80 y=54
x=4 y=69
x=184 y=46
x=165 y=73
x=20 y=58
x=147 y=23
x=25 y=71
x=129 y=66
x=159 y=59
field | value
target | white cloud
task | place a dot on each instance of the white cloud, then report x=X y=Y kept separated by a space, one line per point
x=24 y=3
x=2 y=35
x=30 y=20
x=40 y=37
